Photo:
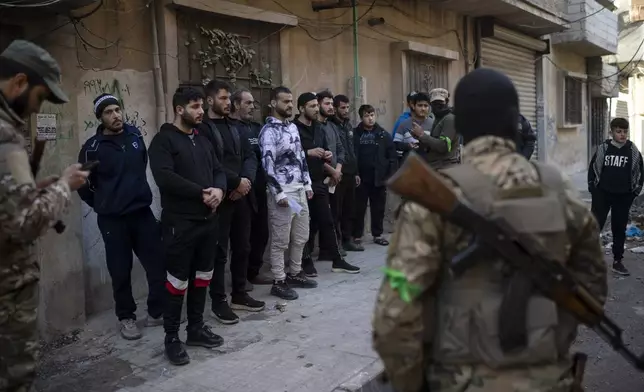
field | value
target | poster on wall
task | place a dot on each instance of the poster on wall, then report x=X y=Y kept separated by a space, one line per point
x=45 y=127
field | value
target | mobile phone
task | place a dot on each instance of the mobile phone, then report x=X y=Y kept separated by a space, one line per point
x=89 y=166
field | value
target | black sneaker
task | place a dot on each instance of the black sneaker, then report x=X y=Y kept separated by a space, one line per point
x=341 y=265
x=281 y=289
x=175 y=351
x=203 y=337
x=309 y=268
x=222 y=313
x=619 y=268
x=352 y=247
x=246 y=302
x=300 y=280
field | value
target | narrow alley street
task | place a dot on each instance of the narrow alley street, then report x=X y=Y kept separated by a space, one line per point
x=320 y=343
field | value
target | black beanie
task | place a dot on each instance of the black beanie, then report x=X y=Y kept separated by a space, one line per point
x=304 y=98
x=486 y=103
x=103 y=101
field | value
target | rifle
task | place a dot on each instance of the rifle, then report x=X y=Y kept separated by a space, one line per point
x=36 y=157
x=418 y=182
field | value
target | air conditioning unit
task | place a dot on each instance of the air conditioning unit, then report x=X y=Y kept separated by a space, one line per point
x=319 y=5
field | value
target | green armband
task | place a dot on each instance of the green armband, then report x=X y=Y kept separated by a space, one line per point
x=449 y=142
x=398 y=282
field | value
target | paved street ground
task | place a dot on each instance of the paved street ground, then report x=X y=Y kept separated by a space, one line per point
x=320 y=343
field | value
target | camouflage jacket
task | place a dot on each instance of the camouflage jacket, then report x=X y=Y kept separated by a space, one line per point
x=26 y=213
x=422 y=241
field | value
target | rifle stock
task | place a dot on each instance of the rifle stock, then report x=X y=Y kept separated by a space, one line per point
x=417 y=182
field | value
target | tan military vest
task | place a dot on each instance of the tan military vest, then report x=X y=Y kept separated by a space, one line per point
x=466 y=330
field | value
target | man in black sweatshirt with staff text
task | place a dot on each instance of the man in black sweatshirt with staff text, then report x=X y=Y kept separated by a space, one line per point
x=614 y=180
x=192 y=184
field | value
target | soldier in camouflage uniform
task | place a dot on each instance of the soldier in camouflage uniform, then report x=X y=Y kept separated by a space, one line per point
x=430 y=340
x=28 y=76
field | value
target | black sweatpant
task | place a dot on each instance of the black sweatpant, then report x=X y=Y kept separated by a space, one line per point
x=376 y=197
x=343 y=205
x=190 y=249
x=619 y=204
x=234 y=228
x=322 y=221
x=258 y=234
x=140 y=232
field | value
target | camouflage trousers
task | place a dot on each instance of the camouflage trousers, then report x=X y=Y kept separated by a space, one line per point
x=19 y=344
x=553 y=378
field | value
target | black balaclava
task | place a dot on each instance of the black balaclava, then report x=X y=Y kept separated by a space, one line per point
x=440 y=109
x=486 y=103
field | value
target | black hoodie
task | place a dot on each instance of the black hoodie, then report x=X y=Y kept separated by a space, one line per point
x=312 y=136
x=183 y=166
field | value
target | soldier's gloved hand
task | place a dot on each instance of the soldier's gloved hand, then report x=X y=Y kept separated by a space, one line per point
x=74 y=177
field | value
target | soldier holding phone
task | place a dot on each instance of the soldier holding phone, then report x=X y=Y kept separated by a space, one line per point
x=28 y=77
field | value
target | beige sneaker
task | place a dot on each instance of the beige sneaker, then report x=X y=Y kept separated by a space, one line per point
x=129 y=330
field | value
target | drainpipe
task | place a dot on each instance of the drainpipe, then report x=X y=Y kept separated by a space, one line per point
x=356 y=75
x=157 y=74
x=466 y=45
x=477 y=42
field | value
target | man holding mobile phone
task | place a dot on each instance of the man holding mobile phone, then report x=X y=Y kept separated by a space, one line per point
x=119 y=193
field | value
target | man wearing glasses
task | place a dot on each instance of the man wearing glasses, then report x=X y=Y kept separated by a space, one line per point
x=614 y=180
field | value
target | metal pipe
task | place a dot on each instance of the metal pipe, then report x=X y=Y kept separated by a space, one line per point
x=356 y=74
x=157 y=73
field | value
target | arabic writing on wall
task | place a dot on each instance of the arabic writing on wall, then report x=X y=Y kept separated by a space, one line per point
x=121 y=90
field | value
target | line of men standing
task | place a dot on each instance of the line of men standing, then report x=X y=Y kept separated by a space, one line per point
x=226 y=182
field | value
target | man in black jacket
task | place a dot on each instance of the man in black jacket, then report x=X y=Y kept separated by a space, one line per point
x=240 y=165
x=241 y=116
x=377 y=160
x=526 y=138
x=343 y=203
x=192 y=184
x=119 y=193
x=315 y=143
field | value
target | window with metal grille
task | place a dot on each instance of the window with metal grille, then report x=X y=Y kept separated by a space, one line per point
x=573 y=95
x=203 y=57
x=426 y=73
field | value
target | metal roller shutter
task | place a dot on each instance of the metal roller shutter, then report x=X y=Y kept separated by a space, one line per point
x=518 y=64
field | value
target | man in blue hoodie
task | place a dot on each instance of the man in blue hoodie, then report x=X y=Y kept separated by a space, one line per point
x=119 y=193
x=406 y=114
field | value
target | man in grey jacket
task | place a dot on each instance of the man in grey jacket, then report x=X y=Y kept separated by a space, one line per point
x=334 y=143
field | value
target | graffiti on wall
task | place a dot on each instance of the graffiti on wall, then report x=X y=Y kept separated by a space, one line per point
x=134 y=92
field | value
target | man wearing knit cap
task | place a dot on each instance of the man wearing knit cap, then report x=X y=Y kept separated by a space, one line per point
x=119 y=193
x=28 y=77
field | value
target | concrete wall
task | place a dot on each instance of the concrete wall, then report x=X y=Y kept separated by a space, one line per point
x=313 y=65
x=566 y=147
x=112 y=51
x=595 y=26
x=634 y=99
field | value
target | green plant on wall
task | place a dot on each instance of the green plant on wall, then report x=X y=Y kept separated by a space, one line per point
x=262 y=77
x=226 y=50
